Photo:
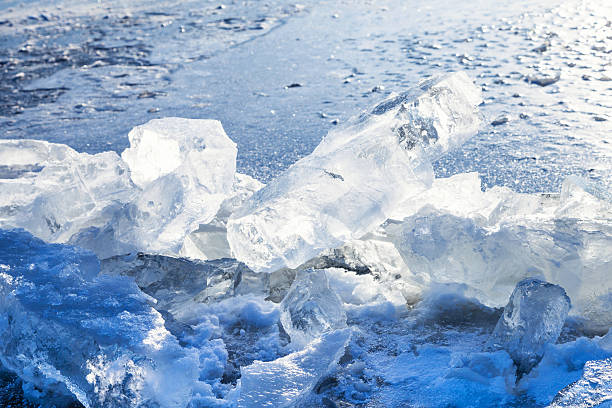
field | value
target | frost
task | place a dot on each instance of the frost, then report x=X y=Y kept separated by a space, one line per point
x=592 y=390
x=311 y=308
x=355 y=177
x=282 y=382
x=532 y=318
x=68 y=332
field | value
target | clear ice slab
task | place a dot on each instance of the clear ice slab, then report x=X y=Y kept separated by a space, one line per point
x=68 y=332
x=311 y=308
x=354 y=178
x=533 y=317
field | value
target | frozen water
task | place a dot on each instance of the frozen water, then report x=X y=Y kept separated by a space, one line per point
x=311 y=308
x=356 y=175
x=594 y=389
x=564 y=239
x=533 y=317
x=67 y=332
x=186 y=169
x=283 y=382
x=209 y=241
x=54 y=192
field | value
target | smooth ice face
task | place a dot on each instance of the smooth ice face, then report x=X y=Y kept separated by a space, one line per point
x=592 y=390
x=186 y=169
x=68 y=332
x=288 y=380
x=54 y=192
x=533 y=317
x=511 y=237
x=311 y=308
x=355 y=177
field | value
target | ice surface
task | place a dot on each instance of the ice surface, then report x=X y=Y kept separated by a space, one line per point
x=186 y=169
x=209 y=241
x=356 y=175
x=67 y=332
x=594 y=389
x=564 y=239
x=533 y=317
x=54 y=192
x=283 y=382
x=311 y=308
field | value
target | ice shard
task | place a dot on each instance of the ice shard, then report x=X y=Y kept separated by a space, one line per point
x=356 y=176
x=284 y=381
x=533 y=317
x=67 y=331
x=311 y=308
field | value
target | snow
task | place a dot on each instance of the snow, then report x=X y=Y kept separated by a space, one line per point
x=357 y=174
x=533 y=317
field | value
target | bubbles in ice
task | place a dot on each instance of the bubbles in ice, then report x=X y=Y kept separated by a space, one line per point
x=533 y=317
x=311 y=308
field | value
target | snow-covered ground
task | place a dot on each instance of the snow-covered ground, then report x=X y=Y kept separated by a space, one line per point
x=448 y=243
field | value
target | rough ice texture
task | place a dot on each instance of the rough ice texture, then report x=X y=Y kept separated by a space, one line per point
x=178 y=177
x=533 y=317
x=311 y=308
x=68 y=332
x=185 y=168
x=354 y=178
x=594 y=389
x=491 y=240
x=283 y=382
x=54 y=192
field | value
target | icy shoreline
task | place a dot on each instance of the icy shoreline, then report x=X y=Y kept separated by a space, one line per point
x=359 y=243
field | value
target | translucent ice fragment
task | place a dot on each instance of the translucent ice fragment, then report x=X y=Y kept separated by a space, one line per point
x=186 y=169
x=55 y=192
x=282 y=382
x=311 y=308
x=66 y=331
x=356 y=176
x=533 y=317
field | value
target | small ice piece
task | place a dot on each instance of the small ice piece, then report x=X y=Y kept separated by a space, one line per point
x=67 y=331
x=356 y=175
x=185 y=168
x=283 y=382
x=533 y=317
x=592 y=390
x=311 y=308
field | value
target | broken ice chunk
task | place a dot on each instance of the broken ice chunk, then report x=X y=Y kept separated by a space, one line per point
x=68 y=332
x=283 y=382
x=52 y=191
x=311 y=308
x=186 y=169
x=195 y=147
x=592 y=390
x=533 y=317
x=355 y=177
